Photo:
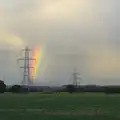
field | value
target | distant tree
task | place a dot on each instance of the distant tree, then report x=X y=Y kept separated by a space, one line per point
x=15 y=89
x=70 y=88
x=2 y=86
x=114 y=90
x=18 y=89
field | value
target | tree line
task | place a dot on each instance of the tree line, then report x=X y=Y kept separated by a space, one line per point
x=67 y=88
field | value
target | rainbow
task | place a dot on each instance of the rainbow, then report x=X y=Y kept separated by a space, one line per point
x=37 y=55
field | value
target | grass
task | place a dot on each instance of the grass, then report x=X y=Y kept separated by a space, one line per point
x=60 y=106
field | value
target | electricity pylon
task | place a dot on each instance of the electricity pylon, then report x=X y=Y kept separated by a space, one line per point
x=27 y=78
x=75 y=78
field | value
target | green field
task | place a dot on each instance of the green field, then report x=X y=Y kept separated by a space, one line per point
x=59 y=106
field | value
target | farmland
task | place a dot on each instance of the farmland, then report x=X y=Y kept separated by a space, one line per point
x=59 y=106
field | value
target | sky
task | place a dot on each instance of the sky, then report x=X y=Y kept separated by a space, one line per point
x=74 y=34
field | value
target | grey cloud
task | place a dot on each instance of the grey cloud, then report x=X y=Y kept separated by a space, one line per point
x=93 y=27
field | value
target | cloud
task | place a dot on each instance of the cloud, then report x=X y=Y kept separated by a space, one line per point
x=88 y=29
x=104 y=62
x=8 y=40
x=61 y=9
